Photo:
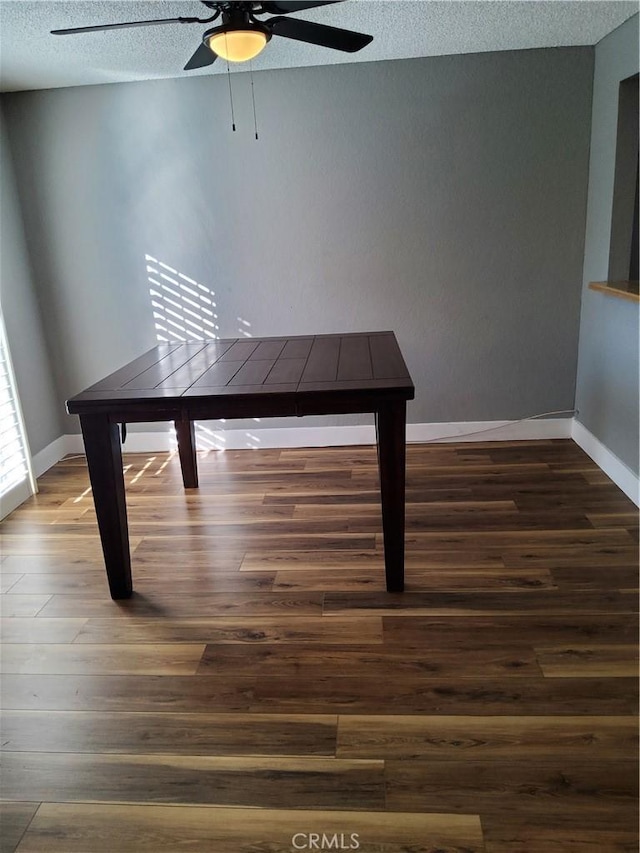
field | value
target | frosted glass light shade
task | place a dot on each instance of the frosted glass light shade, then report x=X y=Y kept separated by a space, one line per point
x=238 y=45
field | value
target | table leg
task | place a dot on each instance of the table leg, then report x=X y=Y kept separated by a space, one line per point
x=391 y=438
x=104 y=460
x=186 y=434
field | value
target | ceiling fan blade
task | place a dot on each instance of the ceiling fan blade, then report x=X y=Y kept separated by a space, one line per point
x=202 y=57
x=283 y=7
x=338 y=39
x=122 y=26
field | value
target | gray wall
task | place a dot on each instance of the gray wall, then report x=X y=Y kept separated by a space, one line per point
x=39 y=399
x=607 y=385
x=443 y=198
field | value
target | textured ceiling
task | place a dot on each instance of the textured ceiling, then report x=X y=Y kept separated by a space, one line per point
x=31 y=58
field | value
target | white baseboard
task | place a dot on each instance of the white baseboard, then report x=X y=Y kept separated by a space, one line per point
x=51 y=454
x=527 y=430
x=612 y=466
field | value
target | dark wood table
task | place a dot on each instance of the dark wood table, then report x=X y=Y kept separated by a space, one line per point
x=251 y=377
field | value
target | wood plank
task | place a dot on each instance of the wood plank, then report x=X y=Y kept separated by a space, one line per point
x=22 y=606
x=103 y=828
x=265 y=409
x=616 y=519
x=297 y=348
x=209 y=780
x=14 y=821
x=509 y=739
x=417 y=580
x=595 y=793
x=263 y=630
x=518 y=540
x=252 y=373
x=269 y=350
x=193 y=369
x=308 y=560
x=562 y=453
x=505 y=835
x=322 y=362
x=7 y=581
x=152 y=693
x=534 y=602
x=285 y=371
x=57 y=514
x=342 y=454
x=507 y=631
x=518 y=521
x=554 y=486
x=579 y=556
x=358 y=559
x=468 y=695
x=455 y=558
x=146 y=564
x=487 y=470
x=258 y=477
x=354 y=362
x=227 y=531
x=134 y=368
x=47 y=584
x=151 y=733
x=218 y=375
x=330 y=661
x=240 y=350
x=71 y=546
x=194 y=513
x=149 y=580
x=582 y=659
x=337 y=511
x=416 y=511
x=594 y=577
x=24 y=630
x=386 y=358
x=402 y=694
x=147 y=659
x=220 y=555
x=585 y=502
x=352 y=496
x=222 y=543
x=595 y=476
x=187 y=606
x=627 y=290
x=156 y=374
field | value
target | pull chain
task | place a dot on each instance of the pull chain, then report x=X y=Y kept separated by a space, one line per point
x=233 y=118
x=253 y=98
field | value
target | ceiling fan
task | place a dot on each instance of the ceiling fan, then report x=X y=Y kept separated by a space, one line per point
x=241 y=36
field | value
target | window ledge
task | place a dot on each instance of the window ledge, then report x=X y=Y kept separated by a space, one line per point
x=620 y=289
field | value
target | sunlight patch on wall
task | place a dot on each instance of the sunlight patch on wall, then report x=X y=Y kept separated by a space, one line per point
x=244 y=327
x=183 y=309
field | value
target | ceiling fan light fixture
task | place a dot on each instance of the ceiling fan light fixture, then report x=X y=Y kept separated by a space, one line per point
x=237 y=44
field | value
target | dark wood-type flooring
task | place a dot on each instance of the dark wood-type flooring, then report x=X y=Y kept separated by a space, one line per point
x=262 y=686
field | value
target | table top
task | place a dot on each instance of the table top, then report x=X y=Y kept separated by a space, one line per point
x=360 y=362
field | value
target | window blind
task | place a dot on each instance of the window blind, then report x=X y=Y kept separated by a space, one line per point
x=16 y=482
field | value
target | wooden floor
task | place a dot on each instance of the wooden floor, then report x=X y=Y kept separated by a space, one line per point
x=261 y=690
